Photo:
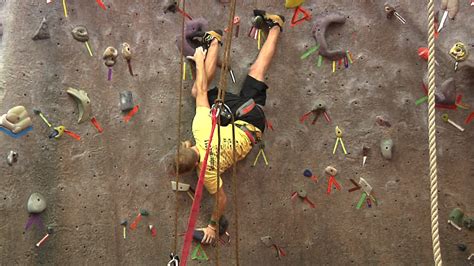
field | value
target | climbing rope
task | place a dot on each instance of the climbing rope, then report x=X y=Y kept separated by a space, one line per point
x=432 y=136
x=180 y=93
x=220 y=101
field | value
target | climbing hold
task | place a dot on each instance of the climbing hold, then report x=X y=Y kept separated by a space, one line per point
x=193 y=31
x=57 y=132
x=126 y=101
x=80 y=33
x=12 y=158
x=390 y=11
x=124 y=223
x=366 y=187
x=83 y=103
x=461 y=247
x=170 y=6
x=459 y=52
x=36 y=203
x=381 y=121
x=468 y=222
x=386 y=146
x=456 y=216
x=451 y=6
x=447 y=93
x=330 y=171
x=110 y=56
x=127 y=54
x=302 y=193
x=319 y=105
x=319 y=32
x=101 y=4
x=43 y=32
x=293 y=3
x=297 y=18
x=16 y=120
x=267 y=241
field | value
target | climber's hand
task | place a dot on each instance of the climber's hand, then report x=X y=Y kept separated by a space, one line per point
x=209 y=234
x=199 y=55
x=452 y=6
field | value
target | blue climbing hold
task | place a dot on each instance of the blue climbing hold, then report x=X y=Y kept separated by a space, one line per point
x=18 y=135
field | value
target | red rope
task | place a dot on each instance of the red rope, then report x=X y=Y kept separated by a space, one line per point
x=197 y=198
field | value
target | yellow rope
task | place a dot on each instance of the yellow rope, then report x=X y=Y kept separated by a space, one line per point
x=432 y=136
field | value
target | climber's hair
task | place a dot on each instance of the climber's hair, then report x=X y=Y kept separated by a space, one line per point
x=187 y=159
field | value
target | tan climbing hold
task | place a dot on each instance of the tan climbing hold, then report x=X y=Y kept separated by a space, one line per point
x=83 y=103
x=331 y=171
x=110 y=56
x=16 y=119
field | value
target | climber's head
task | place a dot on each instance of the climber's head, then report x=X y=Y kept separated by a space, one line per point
x=188 y=158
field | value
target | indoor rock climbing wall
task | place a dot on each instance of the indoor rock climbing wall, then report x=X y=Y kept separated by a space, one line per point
x=93 y=184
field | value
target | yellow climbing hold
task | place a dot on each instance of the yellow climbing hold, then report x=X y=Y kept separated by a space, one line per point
x=293 y=3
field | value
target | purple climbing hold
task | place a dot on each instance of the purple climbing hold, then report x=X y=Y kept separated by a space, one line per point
x=319 y=34
x=193 y=29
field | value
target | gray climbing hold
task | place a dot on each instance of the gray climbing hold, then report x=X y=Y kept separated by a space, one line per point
x=447 y=93
x=43 y=32
x=126 y=101
x=468 y=222
x=386 y=147
x=170 y=6
x=36 y=203
x=80 y=33
x=12 y=158
x=319 y=34
x=267 y=240
x=302 y=193
x=319 y=105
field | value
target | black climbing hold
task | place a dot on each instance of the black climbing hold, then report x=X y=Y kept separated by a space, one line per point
x=43 y=32
x=462 y=247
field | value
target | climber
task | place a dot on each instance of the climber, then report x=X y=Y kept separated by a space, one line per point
x=246 y=108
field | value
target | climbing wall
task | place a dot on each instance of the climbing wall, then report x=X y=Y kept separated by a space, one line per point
x=93 y=184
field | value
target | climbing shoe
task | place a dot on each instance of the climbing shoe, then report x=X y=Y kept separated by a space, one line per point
x=211 y=35
x=264 y=20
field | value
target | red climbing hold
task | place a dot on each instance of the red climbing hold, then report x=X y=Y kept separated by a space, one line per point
x=423 y=53
x=299 y=10
x=131 y=114
x=101 y=4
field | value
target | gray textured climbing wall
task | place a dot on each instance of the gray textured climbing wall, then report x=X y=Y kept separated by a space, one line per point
x=92 y=184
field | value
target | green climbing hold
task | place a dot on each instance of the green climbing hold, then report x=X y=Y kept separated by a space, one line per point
x=310 y=51
x=361 y=200
x=199 y=254
x=421 y=100
x=320 y=60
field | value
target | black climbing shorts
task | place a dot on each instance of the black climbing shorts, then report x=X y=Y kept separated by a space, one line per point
x=252 y=88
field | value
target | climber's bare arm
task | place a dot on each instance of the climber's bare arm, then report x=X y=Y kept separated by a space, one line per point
x=200 y=84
